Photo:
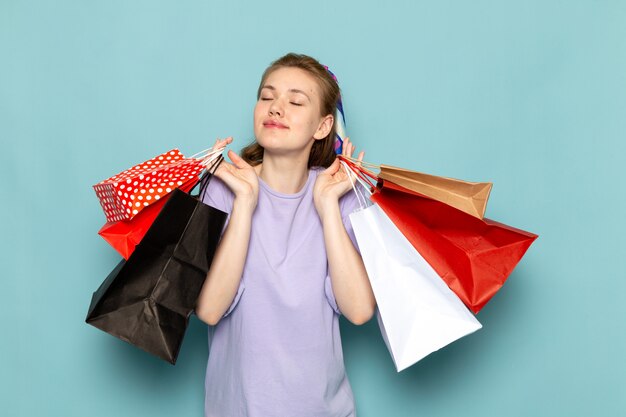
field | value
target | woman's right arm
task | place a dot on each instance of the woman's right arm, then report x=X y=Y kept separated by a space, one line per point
x=221 y=283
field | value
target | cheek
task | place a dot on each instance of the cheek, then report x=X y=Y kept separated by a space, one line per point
x=259 y=111
x=313 y=123
x=257 y=119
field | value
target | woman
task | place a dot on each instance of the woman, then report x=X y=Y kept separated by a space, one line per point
x=286 y=266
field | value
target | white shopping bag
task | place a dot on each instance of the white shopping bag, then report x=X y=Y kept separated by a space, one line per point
x=417 y=312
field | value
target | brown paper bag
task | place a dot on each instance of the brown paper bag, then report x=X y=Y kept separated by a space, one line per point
x=469 y=197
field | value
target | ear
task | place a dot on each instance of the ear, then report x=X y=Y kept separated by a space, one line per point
x=324 y=127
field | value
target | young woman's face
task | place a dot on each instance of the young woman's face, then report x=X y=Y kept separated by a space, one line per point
x=287 y=116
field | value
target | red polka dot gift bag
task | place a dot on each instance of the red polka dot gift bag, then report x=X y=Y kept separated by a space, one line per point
x=126 y=194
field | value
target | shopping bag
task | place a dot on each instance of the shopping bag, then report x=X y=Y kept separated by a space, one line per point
x=473 y=256
x=147 y=300
x=417 y=312
x=125 y=235
x=469 y=197
x=126 y=194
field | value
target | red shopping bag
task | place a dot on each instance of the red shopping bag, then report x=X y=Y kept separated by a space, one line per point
x=125 y=235
x=473 y=256
x=126 y=194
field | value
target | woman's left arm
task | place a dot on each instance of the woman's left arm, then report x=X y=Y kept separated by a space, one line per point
x=349 y=279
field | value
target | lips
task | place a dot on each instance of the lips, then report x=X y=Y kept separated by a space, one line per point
x=273 y=124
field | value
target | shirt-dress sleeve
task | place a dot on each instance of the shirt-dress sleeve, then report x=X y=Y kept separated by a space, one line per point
x=218 y=195
x=348 y=204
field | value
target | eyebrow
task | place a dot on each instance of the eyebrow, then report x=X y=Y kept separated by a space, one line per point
x=292 y=90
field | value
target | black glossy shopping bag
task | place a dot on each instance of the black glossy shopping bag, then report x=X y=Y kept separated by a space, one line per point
x=147 y=300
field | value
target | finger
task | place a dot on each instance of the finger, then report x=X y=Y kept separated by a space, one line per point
x=348 y=174
x=226 y=141
x=237 y=160
x=361 y=155
x=221 y=143
x=352 y=148
x=223 y=169
x=346 y=143
x=345 y=170
x=228 y=174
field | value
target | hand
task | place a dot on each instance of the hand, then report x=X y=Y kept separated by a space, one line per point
x=333 y=182
x=239 y=176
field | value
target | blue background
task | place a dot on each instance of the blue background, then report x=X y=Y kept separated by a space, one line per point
x=529 y=95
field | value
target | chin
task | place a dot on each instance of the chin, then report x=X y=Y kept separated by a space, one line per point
x=271 y=139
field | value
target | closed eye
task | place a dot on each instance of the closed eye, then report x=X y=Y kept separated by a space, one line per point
x=295 y=104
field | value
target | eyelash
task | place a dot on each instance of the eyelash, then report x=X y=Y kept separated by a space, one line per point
x=291 y=102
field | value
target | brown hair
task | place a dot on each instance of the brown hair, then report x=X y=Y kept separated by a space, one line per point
x=323 y=151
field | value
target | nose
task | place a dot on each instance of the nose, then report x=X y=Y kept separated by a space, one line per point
x=276 y=109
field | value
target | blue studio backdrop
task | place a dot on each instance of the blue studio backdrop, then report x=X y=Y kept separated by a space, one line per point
x=530 y=95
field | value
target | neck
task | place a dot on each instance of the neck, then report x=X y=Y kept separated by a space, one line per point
x=284 y=174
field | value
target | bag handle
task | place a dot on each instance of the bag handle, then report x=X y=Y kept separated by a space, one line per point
x=206 y=176
x=354 y=181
